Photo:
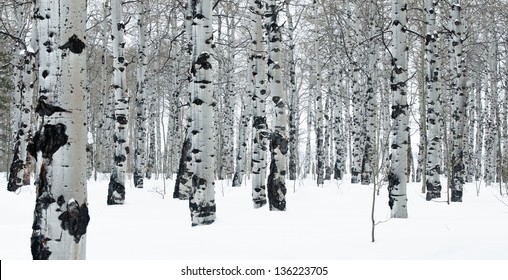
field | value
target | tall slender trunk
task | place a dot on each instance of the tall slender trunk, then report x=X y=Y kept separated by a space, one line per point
x=202 y=195
x=22 y=103
x=491 y=115
x=433 y=104
x=152 y=131
x=139 y=149
x=116 y=190
x=231 y=96
x=339 y=127
x=328 y=116
x=495 y=110
x=175 y=131
x=457 y=58
x=259 y=161
x=278 y=139
x=369 y=159
x=103 y=150
x=385 y=120
x=356 y=127
x=16 y=167
x=183 y=183
x=479 y=136
x=357 y=136
x=61 y=213
x=318 y=95
x=504 y=124
x=158 y=137
x=422 y=93
x=397 y=176
x=221 y=92
x=293 y=117
x=308 y=150
x=30 y=78
x=470 y=126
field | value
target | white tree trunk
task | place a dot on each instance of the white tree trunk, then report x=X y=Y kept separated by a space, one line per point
x=397 y=176
x=116 y=190
x=457 y=58
x=151 y=132
x=258 y=54
x=293 y=99
x=22 y=103
x=139 y=150
x=480 y=128
x=26 y=125
x=231 y=88
x=504 y=124
x=278 y=140
x=328 y=116
x=105 y=126
x=385 y=119
x=202 y=198
x=339 y=127
x=491 y=116
x=356 y=126
x=369 y=158
x=16 y=167
x=318 y=95
x=308 y=150
x=61 y=212
x=183 y=184
x=357 y=136
x=433 y=104
x=471 y=124
x=420 y=175
x=157 y=121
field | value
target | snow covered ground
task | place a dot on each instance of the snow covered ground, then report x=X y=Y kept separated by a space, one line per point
x=320 y=224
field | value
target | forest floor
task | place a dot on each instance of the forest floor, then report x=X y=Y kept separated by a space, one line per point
x=332 y=222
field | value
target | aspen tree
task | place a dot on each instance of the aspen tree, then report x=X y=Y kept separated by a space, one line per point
x=202 y=195
x=397 y=176
x=116 y=189
x=61 y=211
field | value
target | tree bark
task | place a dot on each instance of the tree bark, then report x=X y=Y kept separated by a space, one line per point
x=278 y=140
x=480 y=131
x=183 y=184
x=293 y=117
x=202 y=196
x=22 y=101
x=433 y=104
x=339 y=127
x=258 y=54
x=61 y=212
x=457 y=58
x=318 y=95
x=357 y=135
x=139 y=150
x=397 y=176
x=116 y=189
x=369 y=159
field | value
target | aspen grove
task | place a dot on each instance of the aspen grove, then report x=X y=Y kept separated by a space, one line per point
x=257 y=94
